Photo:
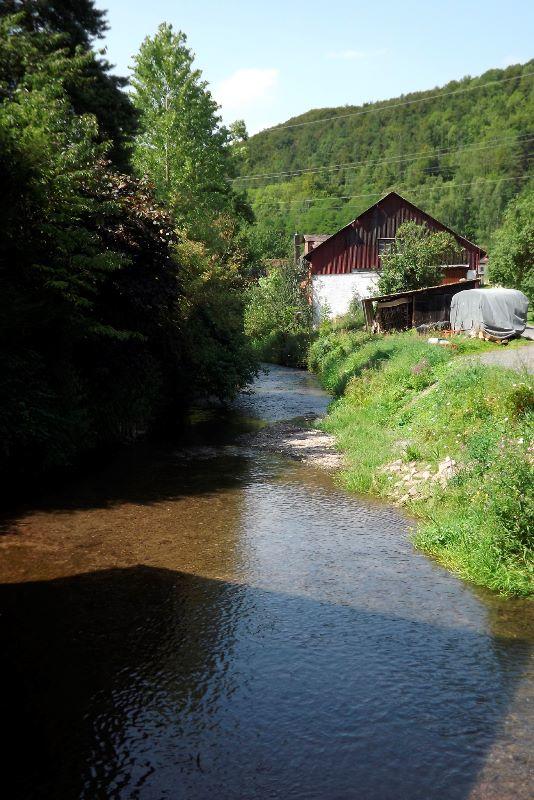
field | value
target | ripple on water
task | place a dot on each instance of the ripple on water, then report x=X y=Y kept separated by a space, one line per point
x=234 y=625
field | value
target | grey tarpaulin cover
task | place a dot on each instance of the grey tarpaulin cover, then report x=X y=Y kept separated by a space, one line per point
x=498 y=312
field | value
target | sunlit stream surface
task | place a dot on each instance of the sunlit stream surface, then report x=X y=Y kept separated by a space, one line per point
x=214 y=621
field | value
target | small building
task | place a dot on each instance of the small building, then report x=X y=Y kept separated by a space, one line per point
x=399 y=311
x=305 y=243
x=348 y=262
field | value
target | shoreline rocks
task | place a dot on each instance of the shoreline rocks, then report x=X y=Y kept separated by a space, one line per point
x=410 y=479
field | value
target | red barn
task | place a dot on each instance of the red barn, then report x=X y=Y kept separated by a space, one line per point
x=348 y=262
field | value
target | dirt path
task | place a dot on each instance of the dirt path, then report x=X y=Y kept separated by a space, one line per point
x=518 y=359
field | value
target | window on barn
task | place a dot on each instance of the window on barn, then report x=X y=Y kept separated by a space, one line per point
x=385 y=246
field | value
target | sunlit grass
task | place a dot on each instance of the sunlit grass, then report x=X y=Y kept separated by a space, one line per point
x=403 y=398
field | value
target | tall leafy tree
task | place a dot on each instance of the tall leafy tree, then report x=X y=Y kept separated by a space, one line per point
x=73 y=26
x=181 y=143
x=512 y=255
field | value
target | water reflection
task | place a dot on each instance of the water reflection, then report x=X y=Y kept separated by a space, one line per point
x=234 y=625
x=152 y=683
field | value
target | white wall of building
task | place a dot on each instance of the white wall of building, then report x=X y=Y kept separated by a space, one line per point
x=332 y=294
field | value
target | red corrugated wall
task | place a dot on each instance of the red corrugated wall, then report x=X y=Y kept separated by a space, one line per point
x=356 y=246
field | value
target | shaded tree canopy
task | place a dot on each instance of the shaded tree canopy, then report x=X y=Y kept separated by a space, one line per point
x=78 y=20
x=72 y=25
x=108 y=323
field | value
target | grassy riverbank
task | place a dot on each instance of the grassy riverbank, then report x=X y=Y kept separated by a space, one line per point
x=450 y=440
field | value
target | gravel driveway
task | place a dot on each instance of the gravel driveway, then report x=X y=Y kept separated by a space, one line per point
x=515 y=358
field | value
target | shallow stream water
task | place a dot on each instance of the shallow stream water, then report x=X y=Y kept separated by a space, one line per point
x=213 y=621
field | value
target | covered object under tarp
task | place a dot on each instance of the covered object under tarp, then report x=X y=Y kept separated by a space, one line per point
x=500 y=313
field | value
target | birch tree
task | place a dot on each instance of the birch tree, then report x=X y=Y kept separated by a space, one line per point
x=181 y=146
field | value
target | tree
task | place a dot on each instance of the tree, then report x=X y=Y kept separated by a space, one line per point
x=511 y=260
x=278 y=315
x=181 y=144
x=71 y=26
x=415 y=260
x=79 y=20
x=104 y=327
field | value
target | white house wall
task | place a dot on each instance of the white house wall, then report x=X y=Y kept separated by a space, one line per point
x=332 y=294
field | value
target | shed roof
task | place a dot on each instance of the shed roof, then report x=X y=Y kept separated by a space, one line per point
x=441 y=287
x=465 y=242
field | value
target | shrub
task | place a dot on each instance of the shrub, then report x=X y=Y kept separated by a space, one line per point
x=278 y=317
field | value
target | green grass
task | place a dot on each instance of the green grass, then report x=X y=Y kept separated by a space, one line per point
x=402 y=398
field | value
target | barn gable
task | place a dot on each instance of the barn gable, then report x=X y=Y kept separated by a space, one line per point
x=359 y=244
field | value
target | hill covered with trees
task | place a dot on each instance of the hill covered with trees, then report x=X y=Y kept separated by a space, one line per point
x=462 y=152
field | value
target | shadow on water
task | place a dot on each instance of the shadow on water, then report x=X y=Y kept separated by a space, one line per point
x=154 y=471
x=151 y=683
x=196 y=620
x=145 y=473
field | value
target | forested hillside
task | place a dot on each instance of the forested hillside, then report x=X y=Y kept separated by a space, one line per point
x=462 y=152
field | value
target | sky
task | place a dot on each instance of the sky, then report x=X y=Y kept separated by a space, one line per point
x=266 y=62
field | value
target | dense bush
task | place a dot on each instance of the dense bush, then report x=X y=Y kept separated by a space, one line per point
x=415 y=259
x=278 y=316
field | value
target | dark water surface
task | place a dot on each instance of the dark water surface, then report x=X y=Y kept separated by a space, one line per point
x=219 y=622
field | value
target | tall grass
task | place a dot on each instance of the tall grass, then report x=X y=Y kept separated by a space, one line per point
x=402 y=398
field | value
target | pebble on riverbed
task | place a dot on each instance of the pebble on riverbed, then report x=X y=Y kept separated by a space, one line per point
x=297 y=441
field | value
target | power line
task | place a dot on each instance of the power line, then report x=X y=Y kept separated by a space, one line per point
x=395 y=105
x=300 y=214
x=394 y=159
x=380 y=194
x=437 y=168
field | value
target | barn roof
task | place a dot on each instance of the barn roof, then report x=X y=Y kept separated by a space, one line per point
x=465 y=242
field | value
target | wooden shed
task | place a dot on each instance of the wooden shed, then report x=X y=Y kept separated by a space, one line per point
x=403 y=310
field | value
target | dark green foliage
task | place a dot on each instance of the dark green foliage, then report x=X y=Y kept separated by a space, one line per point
x=415 y=149
x=105 y=325
x=79 y=20
x=512 y=254
x=73 y=25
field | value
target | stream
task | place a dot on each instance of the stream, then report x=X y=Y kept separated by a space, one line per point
x=206 y=619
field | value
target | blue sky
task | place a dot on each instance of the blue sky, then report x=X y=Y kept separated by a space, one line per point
x=266 y=62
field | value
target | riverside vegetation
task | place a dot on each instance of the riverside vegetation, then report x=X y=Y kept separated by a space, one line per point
x=450 y=440
x=122 y=286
